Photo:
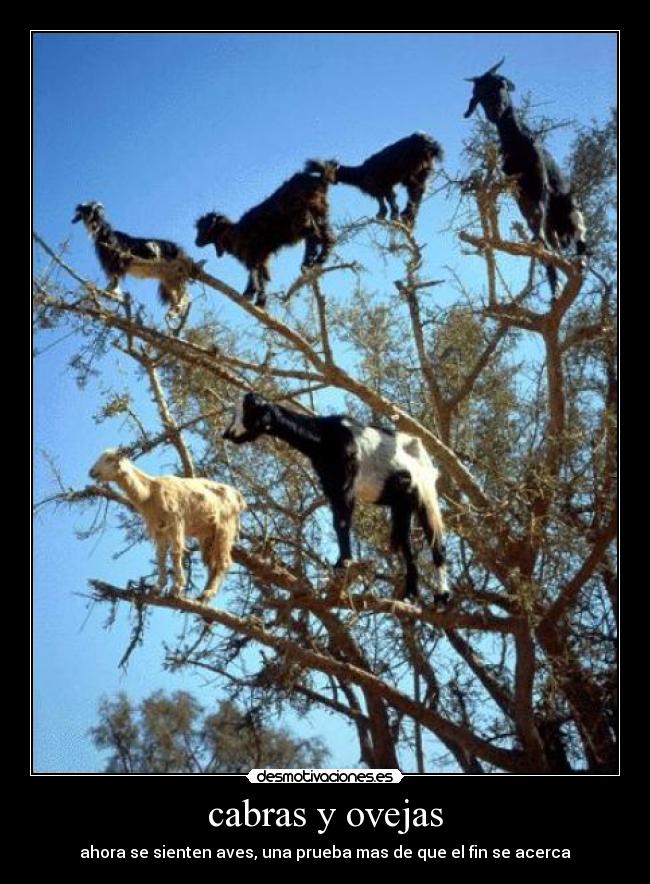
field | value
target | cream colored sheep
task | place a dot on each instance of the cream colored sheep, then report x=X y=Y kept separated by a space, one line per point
x=174 y=508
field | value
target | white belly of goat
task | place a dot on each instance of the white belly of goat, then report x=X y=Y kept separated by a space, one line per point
x=381 y=455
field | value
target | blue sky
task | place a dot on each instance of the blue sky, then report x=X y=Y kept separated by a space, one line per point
x=161 y=128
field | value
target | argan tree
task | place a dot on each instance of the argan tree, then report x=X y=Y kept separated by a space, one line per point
x=174 y=734
x=515 y=398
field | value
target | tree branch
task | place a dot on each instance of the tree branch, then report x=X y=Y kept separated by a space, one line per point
x=509 y=760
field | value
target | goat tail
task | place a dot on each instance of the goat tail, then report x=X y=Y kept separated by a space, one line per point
x=431 y=518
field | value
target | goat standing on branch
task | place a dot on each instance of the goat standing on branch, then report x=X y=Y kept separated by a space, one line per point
x=120 y=254
x=356 y=462
x=543 y=194
x=408 y=161
x=297 y=210
x=172 y=508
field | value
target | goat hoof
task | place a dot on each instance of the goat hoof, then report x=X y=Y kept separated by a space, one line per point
x=411 y=601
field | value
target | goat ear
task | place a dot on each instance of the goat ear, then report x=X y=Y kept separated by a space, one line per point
x=471 y=107
x=509 y=84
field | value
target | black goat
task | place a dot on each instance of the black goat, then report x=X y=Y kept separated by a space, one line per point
x=543 y=195
x=165 y=261
x=297 y=210
x=356 y=462
x=408 y=161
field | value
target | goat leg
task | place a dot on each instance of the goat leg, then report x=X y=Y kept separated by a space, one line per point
x=252 y=287
x=408 y=215
x=401 y=514
x=263 y=276
x=537 y=222
x=211 y=587
x=410 y=210
x=161 y=556
x=394 y=208
x=411 y=585
x=178 y=547
x=551 y=275
x=342 y=510
x=311 y=250
x=415 y=188
x=327 y=240
x=441 y=596
x=114 y=285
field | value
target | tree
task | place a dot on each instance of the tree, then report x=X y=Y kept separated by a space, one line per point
x=173 y=734
x=515 y=398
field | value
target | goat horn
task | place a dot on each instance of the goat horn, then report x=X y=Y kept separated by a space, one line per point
x=496 y=67
x=492 y=70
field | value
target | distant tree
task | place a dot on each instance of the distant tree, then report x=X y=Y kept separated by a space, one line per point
x=172 y=733
x=514 y=397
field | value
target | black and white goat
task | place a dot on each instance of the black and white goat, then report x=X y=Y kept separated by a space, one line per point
x=154 y=258
x=297 y=210
x=408 y=161
x=356 y=462
x=544 y=196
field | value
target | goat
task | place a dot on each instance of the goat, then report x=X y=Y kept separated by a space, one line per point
x=165 y=261
x=356 y=462
x=297 y=210
x=173 y=508
x=408 y=161
x=544 y=197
